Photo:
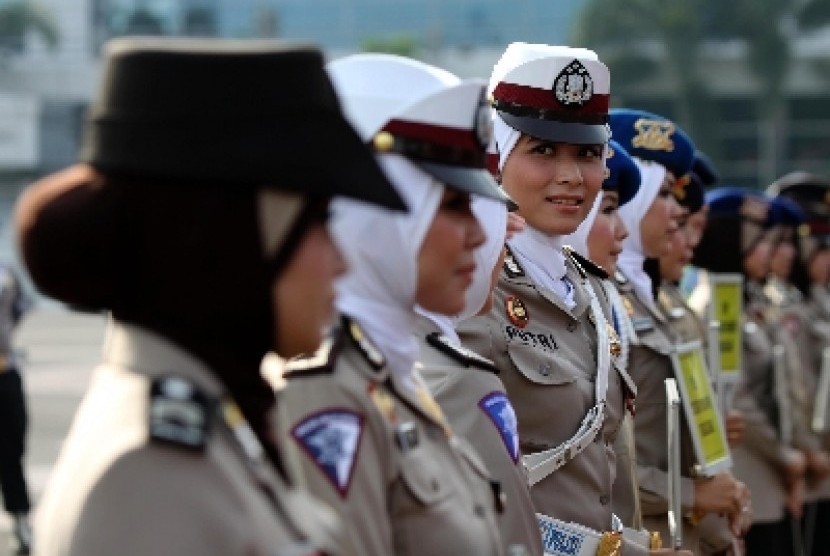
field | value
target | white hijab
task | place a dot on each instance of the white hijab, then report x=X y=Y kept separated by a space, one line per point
x=492 y=215
x=381 y=249
x=632 y=257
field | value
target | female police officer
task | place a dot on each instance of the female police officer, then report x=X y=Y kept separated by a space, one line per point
x=197 y=218
x=372 y=440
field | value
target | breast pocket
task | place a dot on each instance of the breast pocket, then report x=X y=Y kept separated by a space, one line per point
x=424 y=478
x=540 y=367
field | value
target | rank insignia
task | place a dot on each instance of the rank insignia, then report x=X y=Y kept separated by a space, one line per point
x=629 y=307
x=384 y=401
x=654 y=135
x=372 y=354
x=331 y=439
x=516 y=311
x=573 y=86
x=497 y=407
x=179 y=413
x=512 y=267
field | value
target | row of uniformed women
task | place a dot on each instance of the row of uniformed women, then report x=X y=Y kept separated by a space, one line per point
x=785 y=449
x=210 y=253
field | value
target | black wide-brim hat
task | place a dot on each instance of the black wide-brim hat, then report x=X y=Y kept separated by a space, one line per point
x=262 y=113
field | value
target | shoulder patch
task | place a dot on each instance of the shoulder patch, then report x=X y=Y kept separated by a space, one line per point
x=358 y=337
x=331 y=439
x=585 y=264
x=511 y=266
x=498 y=408
x=321 y=362
x=180 y=413
x=466 y=357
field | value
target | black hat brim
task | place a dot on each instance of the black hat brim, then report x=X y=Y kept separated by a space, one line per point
x=470 y=180
x=558 y=132
x=309 y=154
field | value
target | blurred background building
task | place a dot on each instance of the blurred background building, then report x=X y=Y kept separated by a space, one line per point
x=750 y=79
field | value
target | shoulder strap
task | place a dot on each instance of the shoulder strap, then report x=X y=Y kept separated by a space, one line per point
x=321 y=362
x=466 y=357
x=584 y=264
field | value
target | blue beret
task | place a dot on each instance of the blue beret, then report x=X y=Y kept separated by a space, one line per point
x=786 y=212
x=690 y=192
x=738 y=203
x=705 y=170
x=624 y=176
x=652 y=137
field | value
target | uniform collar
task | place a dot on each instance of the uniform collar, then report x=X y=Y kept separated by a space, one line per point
x=147 y=353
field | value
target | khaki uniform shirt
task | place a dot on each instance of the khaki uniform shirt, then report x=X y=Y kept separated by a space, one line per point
x=759 y=460
x=548 y=364
x=714 y=532
x=383 y=458
x=118 y=489
x=650 y=365
x=470 y=392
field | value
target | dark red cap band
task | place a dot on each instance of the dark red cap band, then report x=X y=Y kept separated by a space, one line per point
x=436 y=143
x=521 y=100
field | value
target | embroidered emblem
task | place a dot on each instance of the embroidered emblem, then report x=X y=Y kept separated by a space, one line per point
x=512 y=267
x=654 y=135
x=516 y=311
x=331 y=439
x=534 y=339
x=573 y=86
x=372 y=354
x=497 y=407
x=179 y=413
x=558 y=540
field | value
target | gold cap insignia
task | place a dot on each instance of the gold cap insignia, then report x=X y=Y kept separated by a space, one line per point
x=516 y=311
x=654 y=135
x=384 y=141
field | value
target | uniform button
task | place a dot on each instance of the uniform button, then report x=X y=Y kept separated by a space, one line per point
x=572 y=326
x=604 y=499
x=479 y=510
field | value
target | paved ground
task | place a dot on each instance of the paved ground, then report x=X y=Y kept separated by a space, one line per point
x=61 y=349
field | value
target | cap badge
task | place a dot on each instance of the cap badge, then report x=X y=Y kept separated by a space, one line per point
x=654 y=135
x=516 y=311
x=573 y=86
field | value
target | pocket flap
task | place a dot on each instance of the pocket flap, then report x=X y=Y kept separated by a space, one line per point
x=538 y=366
x=423 y=478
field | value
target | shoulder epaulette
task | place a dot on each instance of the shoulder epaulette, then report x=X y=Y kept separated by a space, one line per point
x=321 y=362
x=180 y=413
x=465 y=356
x=584 y=264
x=364 y=345
x=512 y=266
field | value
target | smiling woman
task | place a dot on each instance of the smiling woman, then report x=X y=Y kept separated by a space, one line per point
x=547 y=331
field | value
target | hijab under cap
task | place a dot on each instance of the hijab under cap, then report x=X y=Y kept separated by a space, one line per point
x=492 y=215
x=632 y=257
x=381 y=249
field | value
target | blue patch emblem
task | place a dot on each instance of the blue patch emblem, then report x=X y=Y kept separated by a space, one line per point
x=331 y=439
x=497 y=407
x=559 y=541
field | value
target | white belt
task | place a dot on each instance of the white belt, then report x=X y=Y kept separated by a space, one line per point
x=571 y=539
x=542 y=464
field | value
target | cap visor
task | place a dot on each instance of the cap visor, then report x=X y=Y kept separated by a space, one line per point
x=559 y=132
x=470 y=180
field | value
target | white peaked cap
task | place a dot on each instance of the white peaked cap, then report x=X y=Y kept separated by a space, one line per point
x=558 y=93
x=428 y=115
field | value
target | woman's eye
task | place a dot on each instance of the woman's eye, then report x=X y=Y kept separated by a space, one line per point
x=609 y=209
x=543 y=149
x=591 y=151
x=665 y=192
